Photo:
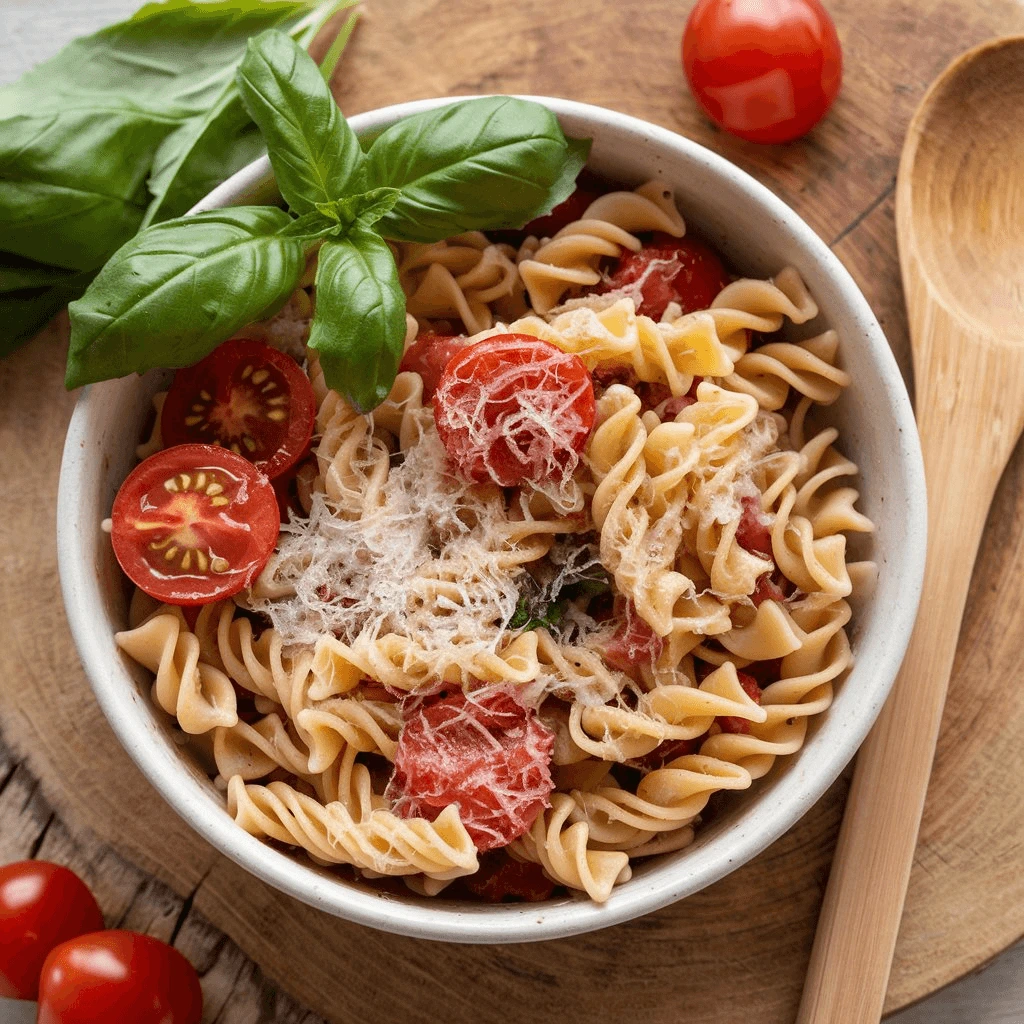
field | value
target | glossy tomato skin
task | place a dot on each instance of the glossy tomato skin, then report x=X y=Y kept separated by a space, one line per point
x=682 y=270
x=514 y=409
x=765 y=70
x=428 y=355
x=116 y=977
x=248 y=397
x=41 y=906
x=194 y=523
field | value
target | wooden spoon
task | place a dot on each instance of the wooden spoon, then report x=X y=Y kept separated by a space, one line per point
x=960 y=223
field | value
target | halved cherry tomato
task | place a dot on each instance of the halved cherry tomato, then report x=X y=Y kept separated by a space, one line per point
x=483 y=751
x=729 y=723
x=41 y=906
x=765 y=70
x=428 y=355
x=514 y=409
x=193 y=524
x=118 y=977
x=248 y=397
x=683 y=270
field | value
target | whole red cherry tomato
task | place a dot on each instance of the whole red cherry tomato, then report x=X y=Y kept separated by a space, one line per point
x=118 y=977
x=765 y=70
x=41 y=906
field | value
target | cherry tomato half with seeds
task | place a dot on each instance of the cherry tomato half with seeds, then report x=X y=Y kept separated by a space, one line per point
x=765 y=70
x=41 y=906
x=194 y=524
x=247 y=397
x=514 y=409
x=118 y=976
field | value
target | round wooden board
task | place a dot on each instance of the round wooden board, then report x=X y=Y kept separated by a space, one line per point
x=743 y=943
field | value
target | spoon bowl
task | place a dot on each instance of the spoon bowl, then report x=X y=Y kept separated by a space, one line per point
x=966 y=213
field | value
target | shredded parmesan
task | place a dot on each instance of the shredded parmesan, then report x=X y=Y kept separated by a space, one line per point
x=424 y=564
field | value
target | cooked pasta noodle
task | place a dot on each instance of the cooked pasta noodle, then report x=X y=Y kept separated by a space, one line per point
x=667 y=620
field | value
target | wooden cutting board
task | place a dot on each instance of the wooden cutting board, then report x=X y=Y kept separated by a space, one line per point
x=744 y=943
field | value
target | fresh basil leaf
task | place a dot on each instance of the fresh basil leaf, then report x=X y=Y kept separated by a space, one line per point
x=315 y=154
x=212 y=145
x=178 y=289
x=25 y=312
x=359 y=326
x=367 y=208
x=495 y=162
x=73 y=177
x=79 y=132
x=17 y=274
x=330 y=60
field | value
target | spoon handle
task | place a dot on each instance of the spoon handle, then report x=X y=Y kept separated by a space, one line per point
x=860 y=916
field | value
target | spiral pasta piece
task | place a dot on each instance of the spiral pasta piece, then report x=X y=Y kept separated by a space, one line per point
x=199 y=696
x=382 y=842
x=562 y=850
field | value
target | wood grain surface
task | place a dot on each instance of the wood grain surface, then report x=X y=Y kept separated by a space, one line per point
x=67 y=790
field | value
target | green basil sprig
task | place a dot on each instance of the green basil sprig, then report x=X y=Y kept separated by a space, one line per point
x=177 y=289
x=167 y=299
x=127 y=127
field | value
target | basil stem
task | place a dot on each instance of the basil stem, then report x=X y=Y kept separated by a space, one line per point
x=178 y=289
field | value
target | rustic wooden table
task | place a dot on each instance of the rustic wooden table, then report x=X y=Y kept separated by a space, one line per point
x=68 y=793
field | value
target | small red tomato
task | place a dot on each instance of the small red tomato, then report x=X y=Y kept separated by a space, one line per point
x=634 y=644
x=193 y=524
x=41 y=906
x=682 y=270
x=248 y=397
x=514 y=409
x=753 y=691
x=765 y=70
x=484 y=751
x=428 y=355
x=118 y=977
x=753 y=533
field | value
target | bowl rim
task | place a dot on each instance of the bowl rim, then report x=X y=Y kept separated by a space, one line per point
x=500 y=923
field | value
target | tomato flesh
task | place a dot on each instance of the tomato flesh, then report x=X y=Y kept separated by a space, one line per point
x=118 y=976
x=485 y=752
x=765 y=70
x=514 y=409
x=249 y=398
x=194 y=524
x=682 y=270
x=41 y=906
x=728 y=723
x=428 y=355
x=500 y=879
x=633 y=645
x=753 y=533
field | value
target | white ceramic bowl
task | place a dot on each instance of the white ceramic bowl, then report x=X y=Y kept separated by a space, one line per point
x=758 y=234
